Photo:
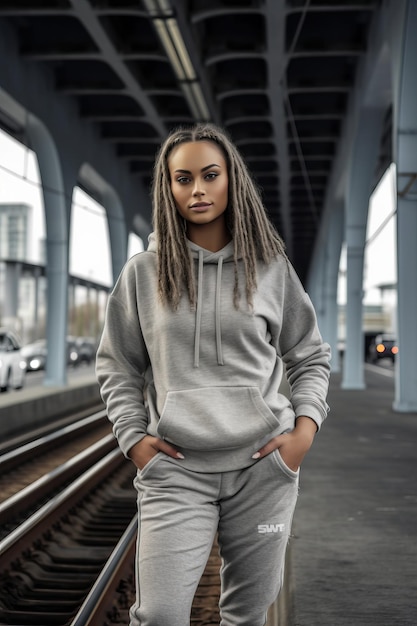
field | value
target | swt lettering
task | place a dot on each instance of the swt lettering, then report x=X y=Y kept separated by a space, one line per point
x=270 y=528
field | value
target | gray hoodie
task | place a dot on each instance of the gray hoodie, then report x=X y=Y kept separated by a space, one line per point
x=207 y=380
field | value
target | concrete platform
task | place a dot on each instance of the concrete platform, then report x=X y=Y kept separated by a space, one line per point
x=354 y=551
x=35 y=406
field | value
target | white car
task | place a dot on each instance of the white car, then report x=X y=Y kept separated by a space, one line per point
x=12 y=363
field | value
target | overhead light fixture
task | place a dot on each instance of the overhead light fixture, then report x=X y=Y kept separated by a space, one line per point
x=186 y=88
x=170 y=36
x=159 y=8
x=201 y=102
x=174 y=47
x=180 y=48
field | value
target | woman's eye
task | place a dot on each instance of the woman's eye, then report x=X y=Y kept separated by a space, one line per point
x=184 y=180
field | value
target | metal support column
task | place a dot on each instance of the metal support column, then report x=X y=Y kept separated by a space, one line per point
x=361 y=176
x=57 y=212
x=12 y=282
x=333 y=250
x=405 y=152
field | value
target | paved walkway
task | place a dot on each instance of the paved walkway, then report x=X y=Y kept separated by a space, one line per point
x=354 y=551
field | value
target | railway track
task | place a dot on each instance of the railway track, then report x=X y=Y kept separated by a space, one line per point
x=22 y=466
x=52 y=559
x=68 y=538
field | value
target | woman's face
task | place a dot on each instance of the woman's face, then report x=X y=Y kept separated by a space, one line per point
x=199 y=182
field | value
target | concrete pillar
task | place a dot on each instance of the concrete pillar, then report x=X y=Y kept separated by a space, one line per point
x=406 y=365
x=331 y=309
x=71 y=303
x=315 y=284
x=322 y=283
x=118 y=231
x=404 y=55
x=96 y=319
x=88 y=323
x=358 y=190
x=36 y=288
x=56 y=200
x=11 y=290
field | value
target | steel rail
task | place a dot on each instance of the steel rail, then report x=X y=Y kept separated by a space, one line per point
x=14 y=457
x=50 y=512
x=97 y=603
x=44 y=486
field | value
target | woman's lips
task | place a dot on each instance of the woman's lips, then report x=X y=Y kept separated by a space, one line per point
x=200 y=206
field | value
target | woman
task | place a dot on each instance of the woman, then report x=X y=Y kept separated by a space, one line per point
x=198 y=329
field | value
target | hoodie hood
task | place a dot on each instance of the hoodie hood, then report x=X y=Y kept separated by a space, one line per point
x=225 y=253
x=205 y=257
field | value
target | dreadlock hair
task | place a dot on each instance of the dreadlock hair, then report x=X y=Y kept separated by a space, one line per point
x=254 y=236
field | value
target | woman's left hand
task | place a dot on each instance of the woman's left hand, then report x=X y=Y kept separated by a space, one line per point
x=292 y=446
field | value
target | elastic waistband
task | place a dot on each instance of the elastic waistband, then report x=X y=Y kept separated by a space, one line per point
x=217 y=460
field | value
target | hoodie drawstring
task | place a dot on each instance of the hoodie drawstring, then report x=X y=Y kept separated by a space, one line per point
x=218 y=319
x=199 y=311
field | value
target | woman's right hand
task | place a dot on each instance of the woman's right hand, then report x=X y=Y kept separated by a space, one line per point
x=143 y=451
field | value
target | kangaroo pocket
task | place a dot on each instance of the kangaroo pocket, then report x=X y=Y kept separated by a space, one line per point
x=215 y=418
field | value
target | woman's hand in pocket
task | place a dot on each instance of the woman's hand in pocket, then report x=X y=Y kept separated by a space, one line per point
x=143 y=451
x=292 y=446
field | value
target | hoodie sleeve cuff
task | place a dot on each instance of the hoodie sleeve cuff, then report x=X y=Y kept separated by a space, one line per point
x=127 y=441
x=310 y=411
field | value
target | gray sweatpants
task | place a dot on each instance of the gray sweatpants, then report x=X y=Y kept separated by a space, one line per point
x=180 y=512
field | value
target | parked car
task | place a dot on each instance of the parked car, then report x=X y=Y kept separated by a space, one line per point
x=12 y=363
x=73 y=355
x=86 y=348
x=36 y=354
x=383 y=346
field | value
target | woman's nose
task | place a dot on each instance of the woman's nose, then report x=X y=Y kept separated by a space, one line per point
x=198 y=188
